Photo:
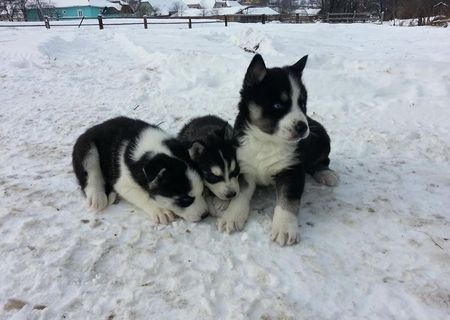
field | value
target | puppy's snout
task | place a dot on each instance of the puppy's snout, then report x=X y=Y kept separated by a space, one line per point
x=301 y=127
x=231 y=194
x=204 y=215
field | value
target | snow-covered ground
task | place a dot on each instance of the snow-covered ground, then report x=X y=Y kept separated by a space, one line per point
x=375 y=247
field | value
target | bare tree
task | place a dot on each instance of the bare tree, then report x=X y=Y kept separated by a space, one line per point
x=178 y=7
x=13 y=9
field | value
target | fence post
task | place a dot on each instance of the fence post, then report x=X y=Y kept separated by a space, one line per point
x=145 y=22
x=190 y=23
x=47 y=22
x=226 y=21
x=263 y=19
x=354 y=16
x=297 y=18
x=382 y=17
x=100 y=22
x=328 y=17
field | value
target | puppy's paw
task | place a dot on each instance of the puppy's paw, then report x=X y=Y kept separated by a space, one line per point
x=96 y=199
x=162 y=216
x=232 y=220
x=327 y=177
x=284 y=227
x=113 y=198
x=217 y=206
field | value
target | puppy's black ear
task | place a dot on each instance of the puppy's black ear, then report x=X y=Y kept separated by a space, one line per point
x=256 y=71
x=228 y=132
x=154 y=168
x=196 y=149
x=300 y=65
x=225 y=133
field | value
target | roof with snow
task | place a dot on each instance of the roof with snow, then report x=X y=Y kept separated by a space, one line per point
x=308 y=11
x=83 y=3
x=259 y=10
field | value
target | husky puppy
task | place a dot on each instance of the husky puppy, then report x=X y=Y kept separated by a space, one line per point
x=142 y=164
x=277 y=144
x=210 y=143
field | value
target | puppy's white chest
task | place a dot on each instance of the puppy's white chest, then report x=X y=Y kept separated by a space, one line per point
x=263 y=159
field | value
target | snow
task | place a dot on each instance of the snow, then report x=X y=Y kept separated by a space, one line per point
x=374 y=247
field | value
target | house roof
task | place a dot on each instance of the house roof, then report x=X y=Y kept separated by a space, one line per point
x=259 y=10
x=77 y=3
x=440 y=4
x=308 y=11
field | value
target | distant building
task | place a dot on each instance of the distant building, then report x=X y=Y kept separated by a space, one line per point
x=73 y=9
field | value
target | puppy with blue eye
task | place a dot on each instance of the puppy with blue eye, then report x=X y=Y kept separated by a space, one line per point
x=209 y=140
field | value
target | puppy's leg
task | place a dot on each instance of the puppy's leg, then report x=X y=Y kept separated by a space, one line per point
x=235 y=216
x=289 y=185
x=95 y=183
x=140 y=198
x=317 y=153
x=216 y=206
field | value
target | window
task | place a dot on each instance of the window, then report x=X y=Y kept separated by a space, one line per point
x=80 y=12
x=64 y=11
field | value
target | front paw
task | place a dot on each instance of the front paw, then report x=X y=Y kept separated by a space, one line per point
x=162 y=216
x=327 y=177
x=232 y=220
x=217 y=206
x=284 y=227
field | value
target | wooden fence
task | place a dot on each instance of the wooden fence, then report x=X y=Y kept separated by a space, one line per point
x=353 y=17
x=102 y=22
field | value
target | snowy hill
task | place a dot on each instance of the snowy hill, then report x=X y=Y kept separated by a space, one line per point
x=375 y=247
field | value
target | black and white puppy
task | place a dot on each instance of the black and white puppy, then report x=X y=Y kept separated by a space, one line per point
x=142 y=164
x=211 y=147
x=278 y=144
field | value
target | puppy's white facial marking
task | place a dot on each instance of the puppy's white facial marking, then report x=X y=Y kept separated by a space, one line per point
x=286 y=126
x=227 y=186
x=216 y=171
x=255 y=111
x=232 y=165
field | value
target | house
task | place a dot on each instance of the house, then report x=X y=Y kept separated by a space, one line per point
x=159 y=7
x=226 y=4
x=193 y=4
x=71 y=9
x=441 y=9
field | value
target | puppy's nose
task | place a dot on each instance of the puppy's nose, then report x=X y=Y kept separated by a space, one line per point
x=204 y=215
x=231 y=194
x=301 y=127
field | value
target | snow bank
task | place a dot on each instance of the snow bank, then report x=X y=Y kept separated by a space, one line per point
x=375 y=247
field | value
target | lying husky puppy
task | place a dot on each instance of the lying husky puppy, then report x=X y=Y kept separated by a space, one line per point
x=142 y=164
x=210 y=143
x=278 y=144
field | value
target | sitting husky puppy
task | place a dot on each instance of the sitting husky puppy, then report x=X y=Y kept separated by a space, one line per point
x=278 y=144
x=210 y=143
x=144 y=165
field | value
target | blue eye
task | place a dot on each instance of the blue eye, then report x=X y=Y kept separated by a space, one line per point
x=278 y=106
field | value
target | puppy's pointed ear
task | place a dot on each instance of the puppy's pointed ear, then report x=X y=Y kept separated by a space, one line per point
x=300 y=65
x=154 y=169
x=225 y=133
x=196 y=149
x=256 y=71
x=228 y=132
